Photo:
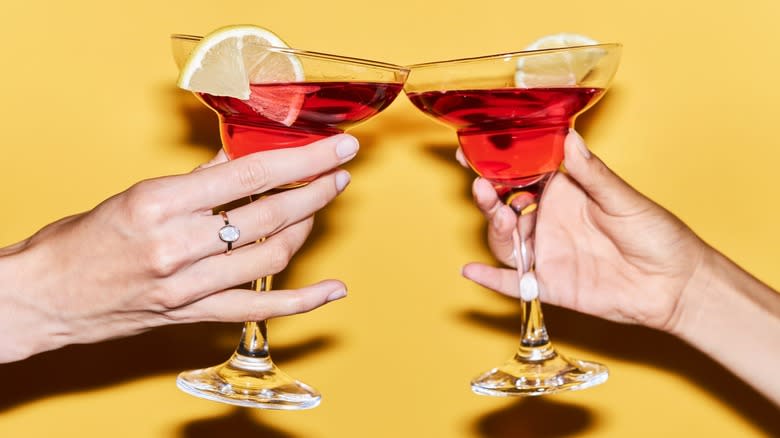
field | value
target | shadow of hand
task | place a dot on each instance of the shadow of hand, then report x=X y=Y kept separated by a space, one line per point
x=163 y=350
x=640 y=344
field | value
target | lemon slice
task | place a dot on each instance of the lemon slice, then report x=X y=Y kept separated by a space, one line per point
x=558 y=69
x=226 y=61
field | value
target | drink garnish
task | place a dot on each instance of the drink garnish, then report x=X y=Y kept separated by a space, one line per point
x=225 y=62
x=567 y=68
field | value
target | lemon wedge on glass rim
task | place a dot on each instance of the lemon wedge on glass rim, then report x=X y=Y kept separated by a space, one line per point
x=565 y=68
x=226 y=61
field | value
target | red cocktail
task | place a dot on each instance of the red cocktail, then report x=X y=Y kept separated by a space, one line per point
x=314 y=110
x=511 y=136
x=512 y=113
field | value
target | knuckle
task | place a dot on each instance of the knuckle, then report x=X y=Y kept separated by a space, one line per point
x=322 y=197
x=602 y=171
x=144 y=203
x=254 y=175
x=298 y=303
x=162 y=258
x=169 y=301
x=279 y=257
x=268 y=217
x=259 y=312
x=163 y=299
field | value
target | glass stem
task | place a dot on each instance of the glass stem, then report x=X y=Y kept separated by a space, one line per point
x=534 y=342
x=254 y=338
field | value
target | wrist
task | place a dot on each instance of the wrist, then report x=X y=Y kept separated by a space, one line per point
x=719 y=294
x=26 y=326
x=735 y=319
x=693 y=297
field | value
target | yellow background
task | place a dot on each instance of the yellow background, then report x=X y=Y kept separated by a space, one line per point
x=89 y=107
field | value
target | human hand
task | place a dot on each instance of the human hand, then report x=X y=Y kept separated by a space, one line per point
x=151 y=256
x=602 y=248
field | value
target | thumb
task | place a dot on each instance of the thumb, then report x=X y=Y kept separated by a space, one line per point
x=609 y=191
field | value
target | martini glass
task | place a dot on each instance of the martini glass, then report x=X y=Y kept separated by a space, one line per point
x=336 y=93
x=512 y=113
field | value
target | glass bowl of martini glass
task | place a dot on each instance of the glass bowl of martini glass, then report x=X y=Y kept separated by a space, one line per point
x=288 y=98
x=512 y=112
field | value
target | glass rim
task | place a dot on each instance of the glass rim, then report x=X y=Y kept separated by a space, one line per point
x=516 y=54
x=321 y=55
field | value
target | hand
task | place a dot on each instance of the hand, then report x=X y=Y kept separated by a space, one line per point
x=151 y=256
x=602 y=248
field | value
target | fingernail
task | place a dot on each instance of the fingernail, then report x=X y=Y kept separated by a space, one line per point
x=347 y=147
x=580 y=143
x=342 y=180
x=341 y=293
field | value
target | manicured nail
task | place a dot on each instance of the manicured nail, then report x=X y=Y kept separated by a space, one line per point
x=529 y=287
x=347 y=147
x=580 y=143
x=342 y=180
x=341 y=293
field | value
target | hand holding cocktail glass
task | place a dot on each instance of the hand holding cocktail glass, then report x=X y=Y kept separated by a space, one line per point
x=268 y=96
x=608 y=251
x=512 y=113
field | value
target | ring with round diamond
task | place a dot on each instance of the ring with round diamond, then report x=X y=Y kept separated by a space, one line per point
x=228 y=233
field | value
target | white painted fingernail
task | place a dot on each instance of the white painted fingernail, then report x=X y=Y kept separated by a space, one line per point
x=341 y=293
x=342 y=180
x=347 y=147
x=580 y=143
x=529 y=287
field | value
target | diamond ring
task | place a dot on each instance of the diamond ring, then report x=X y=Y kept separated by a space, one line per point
x=228 y=233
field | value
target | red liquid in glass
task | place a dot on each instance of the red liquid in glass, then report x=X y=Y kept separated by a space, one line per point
x=511 y=136
x=314 y=110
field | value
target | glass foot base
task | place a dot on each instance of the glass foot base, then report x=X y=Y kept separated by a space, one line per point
x=249 y=382
x=524 y=377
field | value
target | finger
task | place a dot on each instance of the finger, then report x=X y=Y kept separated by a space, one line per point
x=219 y=158
x=501 y=220
x=238 y=305
x=259 y=172
x=500 y=280
x=461 y=158
x=246 y=264
x=507 y=282
x=485 y=197
x=611 y=193
x=500 y=230
x=266 y=216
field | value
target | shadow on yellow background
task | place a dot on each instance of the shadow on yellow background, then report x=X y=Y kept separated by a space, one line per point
x=166 y=351
x=163 y=351
x=90 y=108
